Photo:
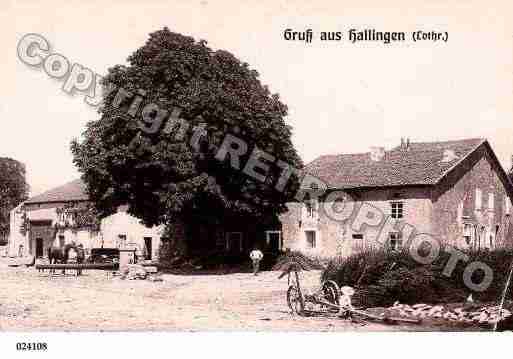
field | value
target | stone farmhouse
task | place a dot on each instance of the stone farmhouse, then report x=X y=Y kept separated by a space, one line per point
x=455 y=191
x=60 y=216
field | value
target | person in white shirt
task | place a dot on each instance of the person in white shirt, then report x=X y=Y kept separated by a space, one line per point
x=256 y=256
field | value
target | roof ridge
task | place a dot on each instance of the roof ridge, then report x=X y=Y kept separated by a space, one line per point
x=70 y=191
x=423 y=164
x=482 y=139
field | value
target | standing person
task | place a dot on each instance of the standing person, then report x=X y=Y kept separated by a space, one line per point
x=256 y=256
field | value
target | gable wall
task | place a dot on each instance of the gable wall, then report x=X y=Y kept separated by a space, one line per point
x=454 y=202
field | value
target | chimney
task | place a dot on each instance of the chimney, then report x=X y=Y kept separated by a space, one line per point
x=405 y=144
x=449 y=156
x=377 y=153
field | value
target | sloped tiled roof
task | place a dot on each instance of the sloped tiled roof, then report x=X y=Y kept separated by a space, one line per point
x=421 y=164
x=72 y=191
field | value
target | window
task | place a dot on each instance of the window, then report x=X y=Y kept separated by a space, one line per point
x=220 y=239
x=482 y=238
x=61 y=241
x=396 y=210
x=487 y=238
x=121 y=240
x=358 y=236
x=493 y=233
x=234 y=241
x=478 y=198
x=311 y=240
x=311 y=208
x=468 y=233
x=507 y=205
x=459 y=212
x=490 y=201
x=396 y=241
x=148 y=247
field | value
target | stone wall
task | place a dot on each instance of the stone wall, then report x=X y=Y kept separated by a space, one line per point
x=441 y=211
x=344 y=237
x=455 y=203
x=120 y=223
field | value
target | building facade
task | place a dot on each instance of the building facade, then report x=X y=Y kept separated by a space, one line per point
x=60 y=216
x=456 y=192
x=63 y=215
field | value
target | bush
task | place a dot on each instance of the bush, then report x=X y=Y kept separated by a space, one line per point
x=382 y=277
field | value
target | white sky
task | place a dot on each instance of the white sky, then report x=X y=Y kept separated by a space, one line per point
x=341 y=97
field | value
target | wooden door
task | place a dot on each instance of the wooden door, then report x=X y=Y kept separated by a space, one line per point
x=39 y=247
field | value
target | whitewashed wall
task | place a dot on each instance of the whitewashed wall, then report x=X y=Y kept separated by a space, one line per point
x=120 y=223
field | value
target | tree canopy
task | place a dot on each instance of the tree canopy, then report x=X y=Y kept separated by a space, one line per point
x=13 y=190
x=160 y=175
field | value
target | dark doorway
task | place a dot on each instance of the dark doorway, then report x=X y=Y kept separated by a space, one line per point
x=234 y=242
x=274 y=241
x=147 y=244
x=39 y=247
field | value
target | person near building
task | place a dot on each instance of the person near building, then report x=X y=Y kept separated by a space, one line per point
x=256 y=256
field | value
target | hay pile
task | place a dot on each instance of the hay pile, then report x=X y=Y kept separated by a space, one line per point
x=383 y=277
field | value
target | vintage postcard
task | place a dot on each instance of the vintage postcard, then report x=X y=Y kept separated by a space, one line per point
x=272 y=167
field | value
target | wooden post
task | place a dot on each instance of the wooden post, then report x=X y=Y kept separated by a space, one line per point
x=503 y=297
x=301 y=297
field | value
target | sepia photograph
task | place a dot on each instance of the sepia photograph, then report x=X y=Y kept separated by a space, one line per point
x=272 y=168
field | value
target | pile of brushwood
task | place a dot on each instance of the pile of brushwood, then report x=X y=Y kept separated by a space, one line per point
x=383 y=277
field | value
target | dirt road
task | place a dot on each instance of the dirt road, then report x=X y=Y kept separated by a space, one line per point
x=30 y=300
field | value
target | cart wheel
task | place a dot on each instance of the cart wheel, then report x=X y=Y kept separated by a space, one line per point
x=294 y=300
x=331 y=292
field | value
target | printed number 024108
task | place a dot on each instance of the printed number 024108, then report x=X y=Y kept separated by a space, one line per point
x=31 y=346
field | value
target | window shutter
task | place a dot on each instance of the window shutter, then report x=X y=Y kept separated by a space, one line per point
x=478 y=198
x=460 y=212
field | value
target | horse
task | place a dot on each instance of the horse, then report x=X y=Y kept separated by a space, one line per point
x=61 y=255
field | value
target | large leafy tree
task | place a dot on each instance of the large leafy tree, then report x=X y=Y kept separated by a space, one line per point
x=160 y=176
x=13 y=190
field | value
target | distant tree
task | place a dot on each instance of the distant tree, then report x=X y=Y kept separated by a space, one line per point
x=13 y=190
x=160 y=176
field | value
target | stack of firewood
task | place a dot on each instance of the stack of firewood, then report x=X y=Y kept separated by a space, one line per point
x=133 y=271
x=483 y=315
